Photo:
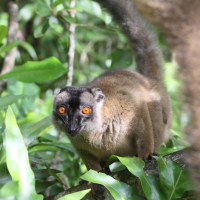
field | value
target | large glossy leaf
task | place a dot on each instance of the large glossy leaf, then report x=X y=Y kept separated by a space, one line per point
x=8 y=100
x=75 y=196
x=173 y=178
x=17 y=160
x=3 y=32
x=150 y=185
x=37 y=71
x=116 y=188
x=30 y=133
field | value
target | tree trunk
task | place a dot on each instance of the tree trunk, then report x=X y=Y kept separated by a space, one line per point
x=180 y=21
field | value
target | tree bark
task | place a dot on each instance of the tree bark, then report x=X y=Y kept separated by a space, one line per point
x=180 y=22
x=9 y=60
x=151 y=168
x=71 y=52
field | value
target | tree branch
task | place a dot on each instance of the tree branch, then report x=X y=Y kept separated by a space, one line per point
x=151 y=168
x=71 y=53
x=9 y=60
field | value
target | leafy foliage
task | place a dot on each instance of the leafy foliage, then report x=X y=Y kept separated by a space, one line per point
x=116 y=188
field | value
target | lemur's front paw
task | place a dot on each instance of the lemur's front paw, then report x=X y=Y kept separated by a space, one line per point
x=150 y=157
x=98 y=191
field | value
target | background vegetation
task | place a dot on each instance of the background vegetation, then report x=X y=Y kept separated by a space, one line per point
x=43 y=39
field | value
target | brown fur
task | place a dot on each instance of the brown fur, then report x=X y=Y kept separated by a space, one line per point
x=135 y=119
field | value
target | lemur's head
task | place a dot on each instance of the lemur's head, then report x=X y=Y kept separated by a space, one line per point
x=76 y=109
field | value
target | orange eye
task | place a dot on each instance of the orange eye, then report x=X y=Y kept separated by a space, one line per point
x=86 y=110
x=62 y=110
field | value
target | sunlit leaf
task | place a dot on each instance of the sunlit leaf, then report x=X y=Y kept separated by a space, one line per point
x=17 y=160
x=3 y=32
x=37 y=71
x=75 y=196
x=116 y=188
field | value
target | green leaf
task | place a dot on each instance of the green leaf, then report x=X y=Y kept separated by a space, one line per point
x=42 y=8
x=3 y=32
x=67 y=18
x=29 y=48
x=165 y=151
x=41 y=186
x=44 y=146
x=173 y=178
x=53 y=173
x=121 y=59
x=116 y=188
x=17 y=159
x=6 y=190
x=10 y=46
x=5 y=177
x=43 y=173
x=3 y=150
x=8 y=100
x=18 y=88
x=116 y=167
x=37 y=71
x=150 y=185
x=75 y=196
x=31 y=133
x=58 y=2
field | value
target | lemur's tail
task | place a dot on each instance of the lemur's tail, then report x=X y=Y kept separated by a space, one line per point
x=142 y=40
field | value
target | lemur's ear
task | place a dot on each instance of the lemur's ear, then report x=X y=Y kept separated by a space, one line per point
x=98 y=94
x=57 y=91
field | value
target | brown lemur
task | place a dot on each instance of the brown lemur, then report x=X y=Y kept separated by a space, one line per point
x=121 y=112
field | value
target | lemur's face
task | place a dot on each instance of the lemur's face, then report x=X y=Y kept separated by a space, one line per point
x=74 y=108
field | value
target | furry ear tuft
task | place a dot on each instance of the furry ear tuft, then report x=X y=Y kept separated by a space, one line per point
x=98 y=94
x=57 y=91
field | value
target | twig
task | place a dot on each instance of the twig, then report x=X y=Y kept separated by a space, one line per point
x=13 y=25
x=72 y=28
